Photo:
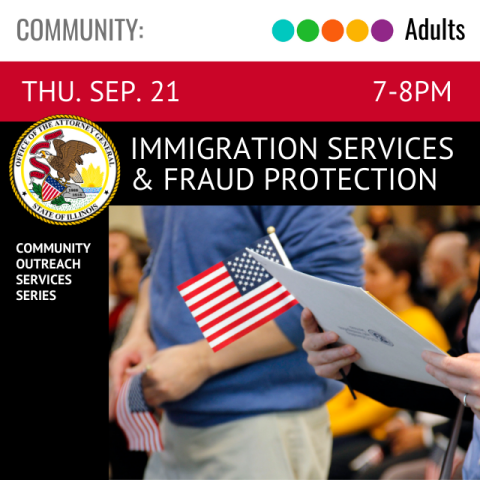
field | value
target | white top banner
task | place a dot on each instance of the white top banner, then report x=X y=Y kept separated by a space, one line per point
x=222 y=30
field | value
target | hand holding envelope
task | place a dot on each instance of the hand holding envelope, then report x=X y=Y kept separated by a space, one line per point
x=326 y=362
x=369 y=333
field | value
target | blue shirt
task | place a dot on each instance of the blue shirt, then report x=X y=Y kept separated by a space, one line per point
x=471 y=465
x=186 y=240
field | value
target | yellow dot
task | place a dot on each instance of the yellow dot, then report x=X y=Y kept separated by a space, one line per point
x=357 y=30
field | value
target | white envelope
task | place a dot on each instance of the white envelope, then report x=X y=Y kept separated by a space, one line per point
x=385 y=342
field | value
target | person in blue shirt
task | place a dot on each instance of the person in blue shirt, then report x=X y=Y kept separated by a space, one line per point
x=255 y=409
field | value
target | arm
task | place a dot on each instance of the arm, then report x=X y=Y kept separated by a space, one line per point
x=322 y=241
x=138 y=346
x=391 y=391
x=406 y=394
x=189 y=366
x=319 y=240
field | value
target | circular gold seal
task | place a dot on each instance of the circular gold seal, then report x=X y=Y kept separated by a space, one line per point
x=64 y=170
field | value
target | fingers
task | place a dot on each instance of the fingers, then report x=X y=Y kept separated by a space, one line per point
x=119 y=363
x=462 y=384
x=332 y=370
x=152 y=391
x=308 y=321
x=466 y=366
x=132 y=371
x=330 y=355
x=461 y=374
x=473 y=401
x=318 y=341
x=326 y=362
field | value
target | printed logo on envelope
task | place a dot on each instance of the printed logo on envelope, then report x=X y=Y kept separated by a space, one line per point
x=380 y=337
x=64 y=170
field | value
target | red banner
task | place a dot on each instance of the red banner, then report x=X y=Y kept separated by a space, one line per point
x=242 y=91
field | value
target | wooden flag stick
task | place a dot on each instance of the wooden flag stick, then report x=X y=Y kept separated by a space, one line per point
x=286 y=261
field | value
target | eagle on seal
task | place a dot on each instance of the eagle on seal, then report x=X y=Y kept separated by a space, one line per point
x=68 y=157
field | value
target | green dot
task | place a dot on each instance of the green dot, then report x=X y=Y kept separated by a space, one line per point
x=308 y=30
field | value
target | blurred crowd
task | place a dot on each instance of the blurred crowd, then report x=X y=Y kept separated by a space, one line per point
x=426 y=273
x=127 y=255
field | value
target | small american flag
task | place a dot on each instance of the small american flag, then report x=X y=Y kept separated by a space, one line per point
x=136 y=418
x=51 y=189
x=238 y=295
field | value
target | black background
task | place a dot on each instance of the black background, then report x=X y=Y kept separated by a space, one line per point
x=55 y=352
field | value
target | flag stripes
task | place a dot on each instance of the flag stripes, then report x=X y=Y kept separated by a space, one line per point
x=50 y=192
x=206 y=276
x=253 y=327
x=246 y=310
x=240 y=326
x=136 y=419
x=235 y=296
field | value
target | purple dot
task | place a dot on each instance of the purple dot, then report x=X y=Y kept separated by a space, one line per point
x=382 y=30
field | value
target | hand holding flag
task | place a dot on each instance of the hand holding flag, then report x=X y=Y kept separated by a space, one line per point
x=136 y=418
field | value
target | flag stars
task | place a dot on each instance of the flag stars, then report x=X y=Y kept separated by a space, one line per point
x=240 y=282
x=229 y=263
x=233 y=269
x=252 y=284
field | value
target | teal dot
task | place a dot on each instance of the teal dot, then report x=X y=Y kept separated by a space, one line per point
x=283 y=30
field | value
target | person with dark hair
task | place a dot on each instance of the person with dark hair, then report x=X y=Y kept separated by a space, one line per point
x=379 y=219
x=466 y=222
x=392 y=272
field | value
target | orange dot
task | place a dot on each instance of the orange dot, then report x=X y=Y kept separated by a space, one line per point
x=332 y=30
x=357 y=30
